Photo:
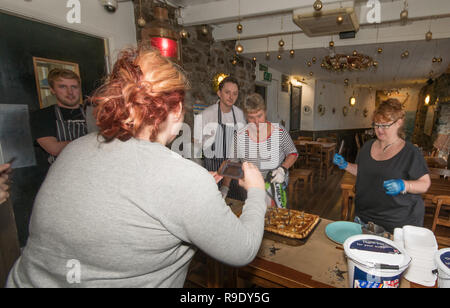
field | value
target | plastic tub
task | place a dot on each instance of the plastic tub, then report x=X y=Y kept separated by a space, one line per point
x=374 y=262
x=442 y=259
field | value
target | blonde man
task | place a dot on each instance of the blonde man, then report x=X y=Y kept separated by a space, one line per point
x=55 y=126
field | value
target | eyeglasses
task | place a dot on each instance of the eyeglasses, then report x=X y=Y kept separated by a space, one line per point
x=383 y=126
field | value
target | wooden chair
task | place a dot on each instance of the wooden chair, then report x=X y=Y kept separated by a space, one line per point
x=296 y=175
x=438 y=173
x=358 y=144
x=442 y=204
x=322 y=140
x=315 y=157
x=302 y=155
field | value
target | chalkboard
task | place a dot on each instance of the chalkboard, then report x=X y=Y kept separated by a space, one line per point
x=21 y=39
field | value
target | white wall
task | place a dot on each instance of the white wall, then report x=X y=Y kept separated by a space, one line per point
x=118 y=28
x=278 y=102
x=331 y=95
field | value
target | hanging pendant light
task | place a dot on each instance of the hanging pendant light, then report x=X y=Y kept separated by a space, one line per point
x=404 y=14
x=161 y=33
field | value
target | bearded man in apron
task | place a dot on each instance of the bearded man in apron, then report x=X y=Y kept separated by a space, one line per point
x=218 y=124
x=55 y=126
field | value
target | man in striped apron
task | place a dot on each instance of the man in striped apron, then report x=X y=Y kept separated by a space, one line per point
x=55 y=126
x=218 y=125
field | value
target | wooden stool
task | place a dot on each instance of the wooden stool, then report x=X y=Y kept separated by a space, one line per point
x=442 y=202
x=301 y=174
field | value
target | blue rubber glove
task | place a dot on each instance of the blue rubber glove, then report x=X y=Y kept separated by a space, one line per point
x=340 y=161
x=394 y=187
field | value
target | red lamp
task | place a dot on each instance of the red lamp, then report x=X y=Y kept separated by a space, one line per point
x=162 y=34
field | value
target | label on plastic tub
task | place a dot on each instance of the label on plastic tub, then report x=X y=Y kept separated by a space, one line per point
x=445 y=259
x=363 y=280
x=374 y=246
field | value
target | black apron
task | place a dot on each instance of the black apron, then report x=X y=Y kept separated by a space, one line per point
x=220 y=147
x=68 y=130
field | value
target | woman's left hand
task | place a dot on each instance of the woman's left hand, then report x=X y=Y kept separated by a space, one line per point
x=394 y=187
x=278 y=175
x=216 y=176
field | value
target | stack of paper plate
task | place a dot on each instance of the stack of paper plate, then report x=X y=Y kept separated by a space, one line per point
x=420 y=244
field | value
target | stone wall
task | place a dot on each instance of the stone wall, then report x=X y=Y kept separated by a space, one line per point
x=439 y=91
x=202 y=58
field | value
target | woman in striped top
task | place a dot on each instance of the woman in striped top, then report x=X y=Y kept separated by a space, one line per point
x=267 y=145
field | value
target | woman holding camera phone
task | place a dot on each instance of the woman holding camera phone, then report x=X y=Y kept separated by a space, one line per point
x=125 y=207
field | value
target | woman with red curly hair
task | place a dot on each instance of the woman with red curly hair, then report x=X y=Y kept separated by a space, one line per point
x=120 y=209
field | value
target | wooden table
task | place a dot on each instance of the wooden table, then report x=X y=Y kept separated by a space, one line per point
x=438 y=187
x=319 y=263
x=436 y=162
x=328 y=149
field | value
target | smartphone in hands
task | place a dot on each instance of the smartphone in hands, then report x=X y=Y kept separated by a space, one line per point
x=231 y=169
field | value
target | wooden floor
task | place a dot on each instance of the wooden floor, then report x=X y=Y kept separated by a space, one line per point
x=324 y=200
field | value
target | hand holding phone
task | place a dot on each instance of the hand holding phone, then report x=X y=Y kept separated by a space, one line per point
x=252 y=177
x=231 y=169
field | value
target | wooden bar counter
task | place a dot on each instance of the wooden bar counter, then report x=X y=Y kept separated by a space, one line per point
x=319 y=263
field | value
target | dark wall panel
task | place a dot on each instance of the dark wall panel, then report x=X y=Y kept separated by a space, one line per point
x=21 y=39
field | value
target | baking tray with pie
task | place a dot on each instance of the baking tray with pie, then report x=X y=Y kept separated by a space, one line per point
x=290 y=227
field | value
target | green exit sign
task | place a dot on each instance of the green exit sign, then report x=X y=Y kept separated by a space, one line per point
x=263 y=67
x=267 y=76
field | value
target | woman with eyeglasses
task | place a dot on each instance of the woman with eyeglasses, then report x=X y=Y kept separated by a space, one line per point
x=391 y=173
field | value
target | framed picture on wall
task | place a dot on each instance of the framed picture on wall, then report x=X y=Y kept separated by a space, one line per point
x=296 y=103
x=284 y=83
x=42 y=67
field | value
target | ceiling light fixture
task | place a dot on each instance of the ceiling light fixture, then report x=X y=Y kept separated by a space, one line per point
x=342 y=62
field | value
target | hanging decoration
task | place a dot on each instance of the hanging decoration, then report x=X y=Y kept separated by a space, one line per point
x=184 y=34
x=292 y=51
x=141 y=21
x=239 y=48
x=318 y=5
x=404 y=14
x=205 y=30
x=267 y=52
x=429 y=34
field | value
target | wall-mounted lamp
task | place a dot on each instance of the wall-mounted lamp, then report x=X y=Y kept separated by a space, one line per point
x=295 y=82
x=352 y=100
x=427 y=99
x=217 y=80
x=162 y=34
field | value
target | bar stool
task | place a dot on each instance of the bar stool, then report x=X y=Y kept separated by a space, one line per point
x=442 y=202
